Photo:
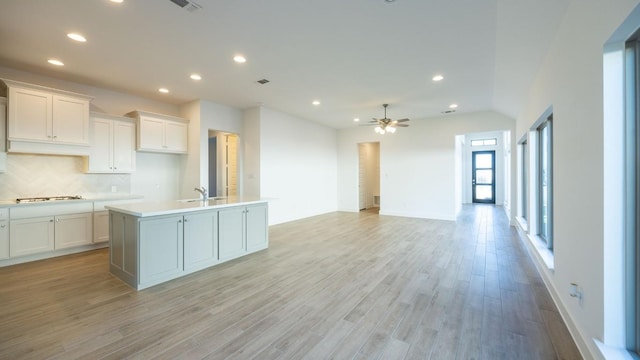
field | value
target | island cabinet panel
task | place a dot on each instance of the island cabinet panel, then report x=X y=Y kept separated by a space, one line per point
x=161 y=249
x=232 y=233
x=123 y=248
x=200 y=240
x=256 y=228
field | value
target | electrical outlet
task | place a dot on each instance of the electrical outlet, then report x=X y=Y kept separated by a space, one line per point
x=114 y=188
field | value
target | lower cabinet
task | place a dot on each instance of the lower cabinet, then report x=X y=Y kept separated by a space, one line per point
x=200 y=240
x=31 y=236
x=100 y=227
x=161 y=248
x=242 y=230
x=73 y=230
x=146 y=251
x=4 y=239
x=48 y=233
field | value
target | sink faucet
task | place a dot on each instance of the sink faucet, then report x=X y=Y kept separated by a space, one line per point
x=203 y=192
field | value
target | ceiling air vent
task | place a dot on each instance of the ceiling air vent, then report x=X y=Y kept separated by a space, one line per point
x=448 y=111
x=187 y=5
x=263 y=81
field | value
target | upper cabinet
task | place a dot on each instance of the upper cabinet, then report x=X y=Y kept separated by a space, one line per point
x=39 y=117
x=112 y=144
x=161 y=133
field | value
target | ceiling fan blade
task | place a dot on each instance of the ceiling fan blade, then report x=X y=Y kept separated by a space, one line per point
x=402 y=120
x=402 y=125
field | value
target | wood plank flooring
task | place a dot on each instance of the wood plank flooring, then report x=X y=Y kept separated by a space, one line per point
x=335 y=286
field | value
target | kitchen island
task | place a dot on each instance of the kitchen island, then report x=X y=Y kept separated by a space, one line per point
x=154 y=242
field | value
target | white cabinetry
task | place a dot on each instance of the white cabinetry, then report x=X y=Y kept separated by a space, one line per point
x=43 y=228
x=3 y=135
x=242 y=230
x=39 y=116
x=4 y=233
x=73 y=230
x=161 y=133
x=31 y=236
x=100 y=227
x=112 y=145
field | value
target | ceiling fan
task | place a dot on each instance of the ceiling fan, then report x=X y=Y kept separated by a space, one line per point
x=386 y=125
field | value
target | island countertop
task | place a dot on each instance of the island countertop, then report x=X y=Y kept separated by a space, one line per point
x=145 y=209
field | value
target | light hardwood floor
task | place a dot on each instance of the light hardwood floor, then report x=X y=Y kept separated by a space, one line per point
x=335 y=286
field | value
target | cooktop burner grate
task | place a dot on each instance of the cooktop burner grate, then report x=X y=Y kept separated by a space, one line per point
x=47 y=198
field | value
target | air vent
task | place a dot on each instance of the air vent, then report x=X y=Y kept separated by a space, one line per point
x=448 y=111
x=263 y=81
x=187 y=5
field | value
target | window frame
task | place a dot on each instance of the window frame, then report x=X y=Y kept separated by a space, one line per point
x=632 y=192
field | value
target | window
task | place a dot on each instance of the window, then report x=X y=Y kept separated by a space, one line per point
x=545 y=182
x=484 y=142
x=632 y=191
x=524 y=173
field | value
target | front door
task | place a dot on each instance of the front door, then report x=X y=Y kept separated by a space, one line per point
x=483 y=177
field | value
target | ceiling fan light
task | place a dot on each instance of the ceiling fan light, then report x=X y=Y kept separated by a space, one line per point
x=391 y=129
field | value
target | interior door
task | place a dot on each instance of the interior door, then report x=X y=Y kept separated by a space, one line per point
x=483 y=177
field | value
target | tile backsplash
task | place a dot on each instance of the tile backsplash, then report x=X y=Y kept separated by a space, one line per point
x=46 y=175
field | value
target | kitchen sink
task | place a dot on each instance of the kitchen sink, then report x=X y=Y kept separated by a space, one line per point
x=208 y=199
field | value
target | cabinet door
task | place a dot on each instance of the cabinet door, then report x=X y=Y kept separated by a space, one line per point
x=4 y=239
x=151 y=134
x=124 y=154
x=176 y=134
x=31 y=236
x=200 y=240
x=73 y=230
x=100 y=227
x=29 y=115
x=70 y=120
x=231 y=233
x=161 y=249
x=101 y=155
x=257 y=228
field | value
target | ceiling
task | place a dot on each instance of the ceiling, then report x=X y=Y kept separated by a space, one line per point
x=352 y=56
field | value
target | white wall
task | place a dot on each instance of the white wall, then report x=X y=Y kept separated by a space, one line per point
x=204 y=116
x=297 y=166
x=417 y=165
x=570 y=80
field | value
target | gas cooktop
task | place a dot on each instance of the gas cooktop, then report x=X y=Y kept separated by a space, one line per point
x=47 y=198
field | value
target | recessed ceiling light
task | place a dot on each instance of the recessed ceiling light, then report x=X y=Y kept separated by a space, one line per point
x=316 y=102
x=453 y=106
x=164 y=90
x=437 y=77
x=239 y=59
x=195 y=77
x=356 y=119
x=55 y=62
x=76 y=37
x=116 y=1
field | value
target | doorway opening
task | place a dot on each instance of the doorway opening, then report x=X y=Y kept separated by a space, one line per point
x=483 y=185
x=369 y=176
x=223 y=164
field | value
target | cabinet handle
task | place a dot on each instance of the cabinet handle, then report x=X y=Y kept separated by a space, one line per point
x=185 y=220
x=179 y=221
x=57 y=220
x=3 y=226
x=51 y=220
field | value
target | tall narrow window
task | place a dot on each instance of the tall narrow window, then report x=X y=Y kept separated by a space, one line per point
x=545 y=182
x=632 y=191
x=524 y=173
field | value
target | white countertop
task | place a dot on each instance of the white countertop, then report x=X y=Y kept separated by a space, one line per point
x=145 y=209
x=88 y=198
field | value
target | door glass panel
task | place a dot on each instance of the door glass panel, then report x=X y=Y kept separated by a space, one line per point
x=484 y=161
x=484 y=176
x=484 y=192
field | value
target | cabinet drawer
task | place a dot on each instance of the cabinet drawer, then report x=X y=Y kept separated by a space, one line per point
x=29 y=211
